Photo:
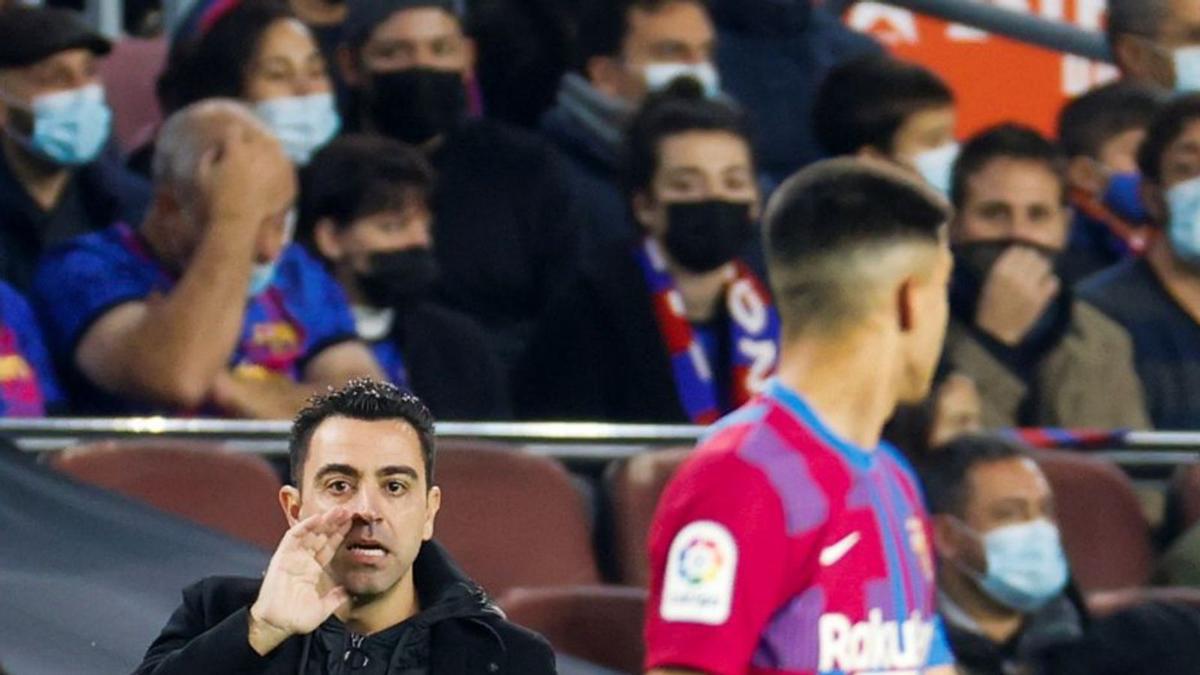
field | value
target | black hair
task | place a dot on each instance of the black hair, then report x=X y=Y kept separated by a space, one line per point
x=1093 y=119
x=1166 y=128
x=865 y=102
x=362 y=399
x=359 y=175
x=945 y=472
x=680 y=108
x=216 y=63
x=1010 y=141
x=1135 y=17
x=603 y=24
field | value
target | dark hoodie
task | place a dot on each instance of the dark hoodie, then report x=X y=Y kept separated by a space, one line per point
x=458 y=631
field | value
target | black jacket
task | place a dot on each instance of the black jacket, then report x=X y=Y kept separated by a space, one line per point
x=208 y=634
x=599 y=355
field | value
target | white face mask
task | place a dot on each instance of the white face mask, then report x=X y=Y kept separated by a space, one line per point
x=936 y=166
x=1183 y=229
x=1187 y=69
x=303 y=124
x=659 y=76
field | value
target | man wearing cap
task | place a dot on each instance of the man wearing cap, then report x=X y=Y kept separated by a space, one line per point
x=505 y=224
x=55 y=181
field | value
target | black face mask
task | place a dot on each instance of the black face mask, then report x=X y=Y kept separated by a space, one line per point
x=702 y=236
x=398 y=279
x=416 y=104
x=977 y=259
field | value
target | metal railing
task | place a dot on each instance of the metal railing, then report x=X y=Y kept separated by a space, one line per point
x=583 y=441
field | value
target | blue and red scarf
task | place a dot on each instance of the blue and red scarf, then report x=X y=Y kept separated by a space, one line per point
x=754 y=332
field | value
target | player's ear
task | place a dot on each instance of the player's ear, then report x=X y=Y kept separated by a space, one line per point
x=906 y=304
x=945 y=537
x=289 y=500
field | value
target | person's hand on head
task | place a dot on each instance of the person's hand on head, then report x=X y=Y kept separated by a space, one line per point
x=297 y=593
x=238 y=177
x=1017 y=291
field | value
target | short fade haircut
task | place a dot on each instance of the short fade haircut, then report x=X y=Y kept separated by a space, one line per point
x=356 y=176
x=828 y=227
x=679 y=109
x=1007 y=141
x=865 y=102
x=1136 y=17
x=603 y=25
x=1166 y=128
x=1093 y=119
x=362 y=399
x=946 y=471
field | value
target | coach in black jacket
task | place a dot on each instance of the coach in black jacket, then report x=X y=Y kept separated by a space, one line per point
x=356 y=586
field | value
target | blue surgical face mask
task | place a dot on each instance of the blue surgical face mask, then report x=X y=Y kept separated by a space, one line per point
x=1026 y=566
x=1183 y=228
x=659 y=76
x=303 y=124
x=70 y=127
x=936 y=166
x=1187 y=69
x=263 y=274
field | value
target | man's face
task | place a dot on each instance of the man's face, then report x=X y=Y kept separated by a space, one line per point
x=423 y=37
x=677 y=32
x=391 y=230
x=924 y=130
x=64 y=71
x=1013 y=199
x=1150 y=58
x=1119 y=153
x=999 y=494
x=376 y=470
x=698 y=166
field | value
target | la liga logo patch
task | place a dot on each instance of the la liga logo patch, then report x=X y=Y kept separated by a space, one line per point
x=699 y=580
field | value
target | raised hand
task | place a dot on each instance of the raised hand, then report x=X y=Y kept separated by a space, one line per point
x=297 y=594
x=237 y=177
x=1017 y=291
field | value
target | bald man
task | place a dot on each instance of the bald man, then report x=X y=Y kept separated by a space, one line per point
x=206 y=307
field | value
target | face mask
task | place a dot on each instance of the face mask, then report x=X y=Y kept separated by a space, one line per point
x=69 y=127
x=417 y=104
x=978 y=258
x=398 y=279
x=702 y=236
x=1183 y=229
x=659 y=76
x=1187 y=69
x=260 y=278
x=301 y=123
x=1026 y=567
x=937 y=166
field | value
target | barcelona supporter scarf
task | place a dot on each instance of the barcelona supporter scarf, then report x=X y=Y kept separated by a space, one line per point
x=754 y=328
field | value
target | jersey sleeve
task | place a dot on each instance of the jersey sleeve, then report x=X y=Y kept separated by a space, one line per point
x=77 y=285
x=29 y=337
x=317 y=302
x=719 y=567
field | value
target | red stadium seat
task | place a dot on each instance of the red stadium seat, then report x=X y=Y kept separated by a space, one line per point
x=1104 y=530
x=634 y=487
x=230 y=492
x=1185 y=492
x=600 y=624
x=512 y=519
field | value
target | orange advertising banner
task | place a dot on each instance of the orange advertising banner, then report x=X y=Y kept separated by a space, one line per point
x=995 y=79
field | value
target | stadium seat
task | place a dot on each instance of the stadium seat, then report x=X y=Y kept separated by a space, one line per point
x=512 y=519
x=1105 y=603
x=634 y=487
x=600 y=624
x=230 y=492
x=1104 y=531
x=129 y=73
x=1185 y=495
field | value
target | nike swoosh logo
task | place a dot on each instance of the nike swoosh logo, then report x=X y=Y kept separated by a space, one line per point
x=835 y=552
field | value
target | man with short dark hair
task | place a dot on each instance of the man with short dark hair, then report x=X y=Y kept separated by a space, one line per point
x=1038 y=357
x=505 y=220
x=364 y=211
x=1156 y=41
x=886 y=108
x=793 y=540
x=1002 y=573
x=1156 y=298
x=55 y=180
x=1100 y=132
x=356 y=584
x=626 y=48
